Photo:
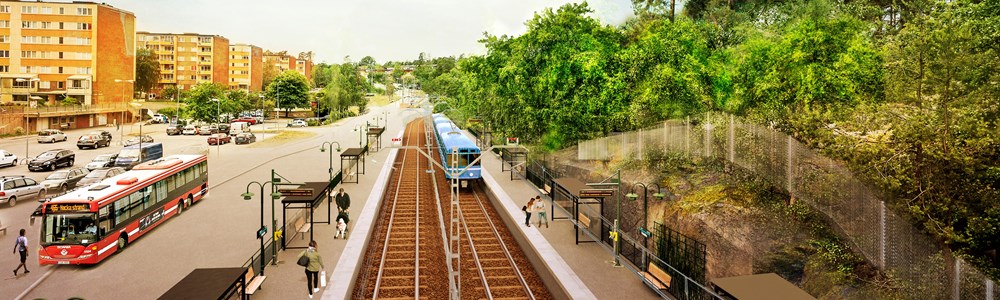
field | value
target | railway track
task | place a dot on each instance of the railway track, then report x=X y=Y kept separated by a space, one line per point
x=406 y=258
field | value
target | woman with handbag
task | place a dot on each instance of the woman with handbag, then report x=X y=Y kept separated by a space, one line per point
x=313 y=263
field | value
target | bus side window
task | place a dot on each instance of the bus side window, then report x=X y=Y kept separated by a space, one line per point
x=161 y=191
x=121 y=210
x=103 y=221
x=170 y=183
x=135 y=203
x=204 y=167
x=190 y=175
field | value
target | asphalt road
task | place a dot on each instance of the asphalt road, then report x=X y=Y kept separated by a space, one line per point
x=219 y=231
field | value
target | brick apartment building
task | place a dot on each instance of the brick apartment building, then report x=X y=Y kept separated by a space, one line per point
x=246 y=67
x=284 y=62
x=187 y=59
x=50 y=51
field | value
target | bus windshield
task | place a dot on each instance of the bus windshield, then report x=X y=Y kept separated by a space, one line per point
x=69 y=229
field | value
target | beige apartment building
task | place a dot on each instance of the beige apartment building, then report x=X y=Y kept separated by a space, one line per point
x=187 y=59
x=51 y=51
x=284 y=62
x=246 y=67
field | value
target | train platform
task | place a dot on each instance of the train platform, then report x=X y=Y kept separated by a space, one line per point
x=589 y=263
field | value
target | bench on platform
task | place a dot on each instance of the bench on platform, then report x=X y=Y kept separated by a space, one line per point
x=657 y=277
x=253 y=281
x=301 y=226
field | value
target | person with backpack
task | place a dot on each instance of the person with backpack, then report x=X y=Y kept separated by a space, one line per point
x=314 y=263
x=21 y=246
x=528 y=208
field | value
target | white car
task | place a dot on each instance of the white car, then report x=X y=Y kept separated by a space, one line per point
x=51 y=136
x=298 y=123
x=7 y=159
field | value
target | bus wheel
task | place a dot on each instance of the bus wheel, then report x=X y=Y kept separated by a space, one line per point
x=122 y=241
x=180 y=207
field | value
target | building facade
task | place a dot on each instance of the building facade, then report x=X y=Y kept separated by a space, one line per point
x=187 y=59
x=51 y=51
x=246 y=67
x=284 y=62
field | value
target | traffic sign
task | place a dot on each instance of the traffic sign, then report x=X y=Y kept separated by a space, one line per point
x=512 y=141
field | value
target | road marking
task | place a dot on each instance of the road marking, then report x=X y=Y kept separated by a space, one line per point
x=36 y=283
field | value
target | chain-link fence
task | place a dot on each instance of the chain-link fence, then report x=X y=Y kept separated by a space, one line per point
x=885 y=237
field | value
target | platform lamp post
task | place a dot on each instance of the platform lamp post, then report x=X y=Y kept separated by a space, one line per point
x=322 y=148
x=645 y=212
x=218 y=112
x=263 y=229
x=361 y=129
x=618 y=211
x=121 y=134
x=276 y=180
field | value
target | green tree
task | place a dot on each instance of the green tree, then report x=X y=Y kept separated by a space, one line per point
x=269 y=73
x=199 y=104
x=290 y=89
x=147 y=70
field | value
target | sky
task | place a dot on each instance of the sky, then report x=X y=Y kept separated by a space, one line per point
x=388 y=30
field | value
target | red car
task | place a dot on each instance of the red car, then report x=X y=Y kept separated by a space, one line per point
x=250 y=120
x=219 y=138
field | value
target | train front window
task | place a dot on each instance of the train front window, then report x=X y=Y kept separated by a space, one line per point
x=69 y=229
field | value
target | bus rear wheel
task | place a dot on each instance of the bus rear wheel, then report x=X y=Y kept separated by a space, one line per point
x=180 y=207
x=122 y=241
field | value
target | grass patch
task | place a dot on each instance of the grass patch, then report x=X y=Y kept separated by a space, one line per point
x=380 y=100
x=283 y=137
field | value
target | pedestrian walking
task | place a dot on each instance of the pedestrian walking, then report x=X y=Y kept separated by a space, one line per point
x=542 y=214
x=313 y=263
x=528 y=208
x=343 y=201
x=21 y=247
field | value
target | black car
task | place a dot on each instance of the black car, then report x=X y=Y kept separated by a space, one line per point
x=103 y=133
x=245 y=138
x=92 y=141
x=52 y=159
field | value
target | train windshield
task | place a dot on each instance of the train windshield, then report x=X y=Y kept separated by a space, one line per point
x=464 y=159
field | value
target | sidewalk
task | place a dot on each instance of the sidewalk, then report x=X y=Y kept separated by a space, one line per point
x=287 y=280
x=590 y=262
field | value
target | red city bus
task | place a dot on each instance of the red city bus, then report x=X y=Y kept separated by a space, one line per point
x=87 y=225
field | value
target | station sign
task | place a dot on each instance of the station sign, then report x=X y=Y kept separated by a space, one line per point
x=397 y=140
x=513 y=141
x=261 y=232
x=296 y=192
x=592 y=193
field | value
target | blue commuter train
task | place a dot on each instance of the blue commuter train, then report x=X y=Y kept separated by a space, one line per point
x=450 y=137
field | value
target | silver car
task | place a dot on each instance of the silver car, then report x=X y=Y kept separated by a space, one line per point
x=51 y=136
x=96 y=176
x=13 y=188
x=64 y=180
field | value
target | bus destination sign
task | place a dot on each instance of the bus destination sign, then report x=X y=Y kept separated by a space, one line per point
x=56 y=208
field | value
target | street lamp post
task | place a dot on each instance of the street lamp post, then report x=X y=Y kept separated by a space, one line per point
x=645 y=210
x=322 y=148
x=263 y=229
x=121 y=134
x=26 y=122
x=218 y=113
x=361 y=132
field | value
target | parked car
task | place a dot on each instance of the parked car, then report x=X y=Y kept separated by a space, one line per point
x=13 y=188
x=103 y=133
x=64 y=180
x=52 y=159
x=174 y=129
x=96 y=176
x=92 y=141
x=247 y=119
x=222 y=128
x=158 y=118
x=298 y=123
x=245 y=138
x=7 y=159
x=102 y=161
x=190 y=130
x=218 y=139
x=205 y=130
x=145 y=138
x=51 y=136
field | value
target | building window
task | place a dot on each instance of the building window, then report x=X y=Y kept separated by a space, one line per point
x=47 y=10
x=29 y=9
x=45 y=69
x=60 y=85
x=83 y=70
x=4 y=53
x=44 y=84
x=83 y=26
x=84 y=11
x=206 y=68
x=62 y=11
x=61 y=25
x=4 y=69
x=204 y=40
x=205 y=77
x=77 y=84
x=4 y=39
x=5 y=9
x=60 y=69
x=4 y=23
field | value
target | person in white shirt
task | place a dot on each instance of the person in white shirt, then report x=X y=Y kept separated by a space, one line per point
x=542 y=214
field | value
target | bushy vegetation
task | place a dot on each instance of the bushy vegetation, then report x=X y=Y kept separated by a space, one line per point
x=905 y=91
